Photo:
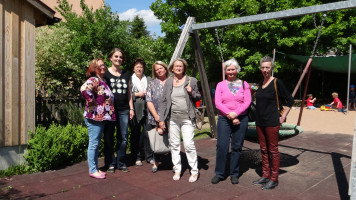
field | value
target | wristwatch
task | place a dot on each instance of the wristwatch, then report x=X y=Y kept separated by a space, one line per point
x=131 y=109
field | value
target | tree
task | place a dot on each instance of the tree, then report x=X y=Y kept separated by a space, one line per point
x=138 y=27
x=248 y=43
x=64 y=50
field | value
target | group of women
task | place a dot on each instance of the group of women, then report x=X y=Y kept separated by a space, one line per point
x=114 y=97
x=115 y=100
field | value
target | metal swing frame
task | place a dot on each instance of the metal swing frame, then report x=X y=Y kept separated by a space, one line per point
x=191 y=29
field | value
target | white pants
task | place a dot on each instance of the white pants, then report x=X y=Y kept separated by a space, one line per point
x=187 y=129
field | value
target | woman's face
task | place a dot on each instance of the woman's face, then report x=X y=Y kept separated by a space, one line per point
x=117 y=58
x=160 y=71
x=102 y=67
x=231 y=72
x=178 y=68
x=266 y=69
x=138 y=69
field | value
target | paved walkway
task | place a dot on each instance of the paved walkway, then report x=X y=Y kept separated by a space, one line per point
x=313 y=166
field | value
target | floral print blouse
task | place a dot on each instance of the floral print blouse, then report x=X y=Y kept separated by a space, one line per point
x=154 y=94
x=99 y=100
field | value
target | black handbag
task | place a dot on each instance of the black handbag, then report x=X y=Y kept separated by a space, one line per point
x=251 y=110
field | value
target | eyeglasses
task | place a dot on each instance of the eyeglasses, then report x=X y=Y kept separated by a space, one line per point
x=266 y=67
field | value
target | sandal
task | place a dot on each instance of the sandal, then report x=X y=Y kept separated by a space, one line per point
x=176 y=176
x=193 y=178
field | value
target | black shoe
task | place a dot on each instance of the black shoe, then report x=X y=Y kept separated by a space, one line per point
x=111 y=169
x=215 y=180
x=260 y=181
x=270 y=185
x=124 y=169
x=234 y=180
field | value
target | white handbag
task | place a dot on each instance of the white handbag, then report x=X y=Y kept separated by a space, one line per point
x=159 y=142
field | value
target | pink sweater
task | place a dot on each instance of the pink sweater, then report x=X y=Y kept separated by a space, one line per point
x=227 y=102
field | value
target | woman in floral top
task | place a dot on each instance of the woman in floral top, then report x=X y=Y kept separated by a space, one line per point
x=99 y=109
x=153 y=97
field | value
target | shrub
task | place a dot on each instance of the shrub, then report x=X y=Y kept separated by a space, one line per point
x=56 y=147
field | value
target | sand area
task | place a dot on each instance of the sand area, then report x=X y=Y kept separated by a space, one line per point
x=328 y=122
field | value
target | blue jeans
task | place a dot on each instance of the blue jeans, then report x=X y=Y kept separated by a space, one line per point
x=237 y=133
x=311 y=107
x=121 y=124
x=95 y=130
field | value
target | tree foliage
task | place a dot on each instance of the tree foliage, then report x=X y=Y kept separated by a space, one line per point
x=64 y=50
x=138 y=28
x=248 y=43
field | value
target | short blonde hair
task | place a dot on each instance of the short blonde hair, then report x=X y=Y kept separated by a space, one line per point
x=335 y=94
x=185 y=65
x=154 y=75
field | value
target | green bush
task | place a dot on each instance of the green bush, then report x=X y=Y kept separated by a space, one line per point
x=56 y=147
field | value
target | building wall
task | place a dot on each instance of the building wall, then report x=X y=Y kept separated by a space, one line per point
x=95 y=4
x=18 y=19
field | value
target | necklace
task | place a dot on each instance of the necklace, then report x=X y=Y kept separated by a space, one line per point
x=178 y=79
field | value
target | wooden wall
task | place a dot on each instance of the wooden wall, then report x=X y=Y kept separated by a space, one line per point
x=17 y=74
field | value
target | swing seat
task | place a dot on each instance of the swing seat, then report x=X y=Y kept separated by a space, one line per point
x=286 y=131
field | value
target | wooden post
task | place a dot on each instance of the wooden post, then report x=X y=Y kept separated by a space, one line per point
x=303 y=100
x=302 y=76
x=182 y=40
x=204 y=82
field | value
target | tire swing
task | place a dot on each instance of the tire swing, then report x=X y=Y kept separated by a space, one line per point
x=286 y=131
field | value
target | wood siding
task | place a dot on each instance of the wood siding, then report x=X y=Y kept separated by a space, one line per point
x=17 y=74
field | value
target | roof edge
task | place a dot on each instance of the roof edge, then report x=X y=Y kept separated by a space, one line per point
x=42 y=7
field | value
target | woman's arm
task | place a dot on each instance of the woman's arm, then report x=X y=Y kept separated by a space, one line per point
x=132 y=113
x=163 y=102
x=218 y=99
x=88 y=89
x=193 y=91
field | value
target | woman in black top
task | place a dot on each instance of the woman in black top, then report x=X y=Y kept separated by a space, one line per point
x=119 y=83
x=268 y=122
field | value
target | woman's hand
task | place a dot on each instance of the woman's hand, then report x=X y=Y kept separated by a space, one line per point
x=189 y=89
x=162 y=125
x=140 y=94
x=132 y=113
x=236 y=121
x=231 y=115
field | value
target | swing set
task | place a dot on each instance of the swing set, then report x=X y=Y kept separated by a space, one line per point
x=191 y=28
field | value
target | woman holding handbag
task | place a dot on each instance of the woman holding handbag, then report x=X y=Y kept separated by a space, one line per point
x=178 y=110
x=153 y=97
x=232 y=99
x=270 y=98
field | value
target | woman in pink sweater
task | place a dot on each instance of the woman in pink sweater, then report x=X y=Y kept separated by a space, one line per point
x=232 y=99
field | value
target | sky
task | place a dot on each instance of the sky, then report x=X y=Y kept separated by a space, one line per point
x=128 y=9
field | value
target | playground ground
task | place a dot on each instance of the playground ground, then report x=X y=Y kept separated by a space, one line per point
x=314 y=165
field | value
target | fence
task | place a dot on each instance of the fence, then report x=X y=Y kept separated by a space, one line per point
x=59 y=109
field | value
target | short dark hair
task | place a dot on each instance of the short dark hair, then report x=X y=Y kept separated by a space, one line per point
x=139 y=61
